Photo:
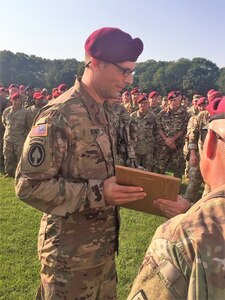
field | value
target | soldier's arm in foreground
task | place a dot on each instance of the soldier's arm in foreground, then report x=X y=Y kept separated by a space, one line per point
x=46 y=156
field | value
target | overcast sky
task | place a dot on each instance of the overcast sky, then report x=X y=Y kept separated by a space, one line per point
x=170 y=29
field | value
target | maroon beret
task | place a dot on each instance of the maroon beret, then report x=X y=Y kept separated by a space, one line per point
x=216 y=106
x=153 y=94
x=22 y=87
x=15 y=96
x=135 y=90
x=126 y=93
x=202 y=100
x=210 y=92
x=142 y=97
x=2 y=89
x=38 y=95
x=113 y=45
x=13 y=86
x=213 y=95
x=173 y=94
x=62 y=87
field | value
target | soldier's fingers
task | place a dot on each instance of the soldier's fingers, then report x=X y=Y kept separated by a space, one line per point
x=128 y=189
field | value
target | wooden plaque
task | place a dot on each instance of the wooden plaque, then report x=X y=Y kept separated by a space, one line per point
x=155 y=185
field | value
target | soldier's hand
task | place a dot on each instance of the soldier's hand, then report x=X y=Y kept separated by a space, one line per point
x=118 y=194
x=172 y=208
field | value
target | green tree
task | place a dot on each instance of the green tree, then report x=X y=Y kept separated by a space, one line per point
x=221 y=81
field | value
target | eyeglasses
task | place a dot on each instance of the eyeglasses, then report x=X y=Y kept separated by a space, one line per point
x=205 y=130
x=126 y=71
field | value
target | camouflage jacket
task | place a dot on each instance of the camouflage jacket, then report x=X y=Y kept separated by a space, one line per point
x=17 y=124
x=197 y=135
x=146 y=132
x=192 y=111
x=171 y=122
x=186 y=258
x=155 y=109
x=66 y=158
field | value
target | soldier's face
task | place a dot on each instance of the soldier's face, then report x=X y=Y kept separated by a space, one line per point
x=143 y=106
x=153 y=101
x=16 y=104
x=109 y=80
x=135 y=97
x=174 y=103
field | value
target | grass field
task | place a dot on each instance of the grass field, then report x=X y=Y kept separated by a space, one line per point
x=19 y=225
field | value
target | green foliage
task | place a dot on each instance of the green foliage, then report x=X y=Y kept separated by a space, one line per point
x=20 y=68
x=189 y=76
x=221 y=81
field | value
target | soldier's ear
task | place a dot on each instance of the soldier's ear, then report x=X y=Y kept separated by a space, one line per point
x=211 y=144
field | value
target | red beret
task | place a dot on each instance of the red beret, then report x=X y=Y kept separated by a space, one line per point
x=173 y=94
x=142 y=97
x=213 y=95
x=15 y=96
x=202 y=100
x=113 y=45
x=22 y=87
x=216 y=106
x=153 y=94
x=62 y=87
x=210 y=92
x=126 y=93
x=38 y=96
x=2 y=89
x=13 y=86
x=135 y=90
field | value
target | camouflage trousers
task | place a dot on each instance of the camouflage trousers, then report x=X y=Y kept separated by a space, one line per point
x=97 y=283
x=174 y=158
x=145 y=160
x=192 y=192
x=12 y=153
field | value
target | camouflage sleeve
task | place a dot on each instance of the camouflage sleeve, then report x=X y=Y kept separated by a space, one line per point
x=39 y=179
x=160 y=277
x=193 y=133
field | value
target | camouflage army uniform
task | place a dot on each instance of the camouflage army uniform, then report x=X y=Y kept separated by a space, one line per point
x=125 y=141
x=155 y=109
x=67 y=156
x=17 y=125
x=130 y=107
x=192 y=111
x=145 y=144
x=186 y=258
x=33 y=110
x=4 y=103
x=28 y=101
x=195 y=141
x=171 y=122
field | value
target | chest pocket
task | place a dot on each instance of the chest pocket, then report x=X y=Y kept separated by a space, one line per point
x=92 y=154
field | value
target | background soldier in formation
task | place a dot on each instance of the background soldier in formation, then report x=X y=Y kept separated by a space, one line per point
x=185 y=259
x=196 y=136
x=171 y=126
x=154 y=103
x=17 y=124
x=144 y=120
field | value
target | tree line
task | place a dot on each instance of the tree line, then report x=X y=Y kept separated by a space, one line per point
x=189 y=76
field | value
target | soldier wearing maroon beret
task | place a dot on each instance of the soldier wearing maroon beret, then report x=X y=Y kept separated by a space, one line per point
x=154 y=102
x=69 y=158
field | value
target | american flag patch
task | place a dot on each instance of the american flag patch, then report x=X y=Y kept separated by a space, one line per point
x=39 y=130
